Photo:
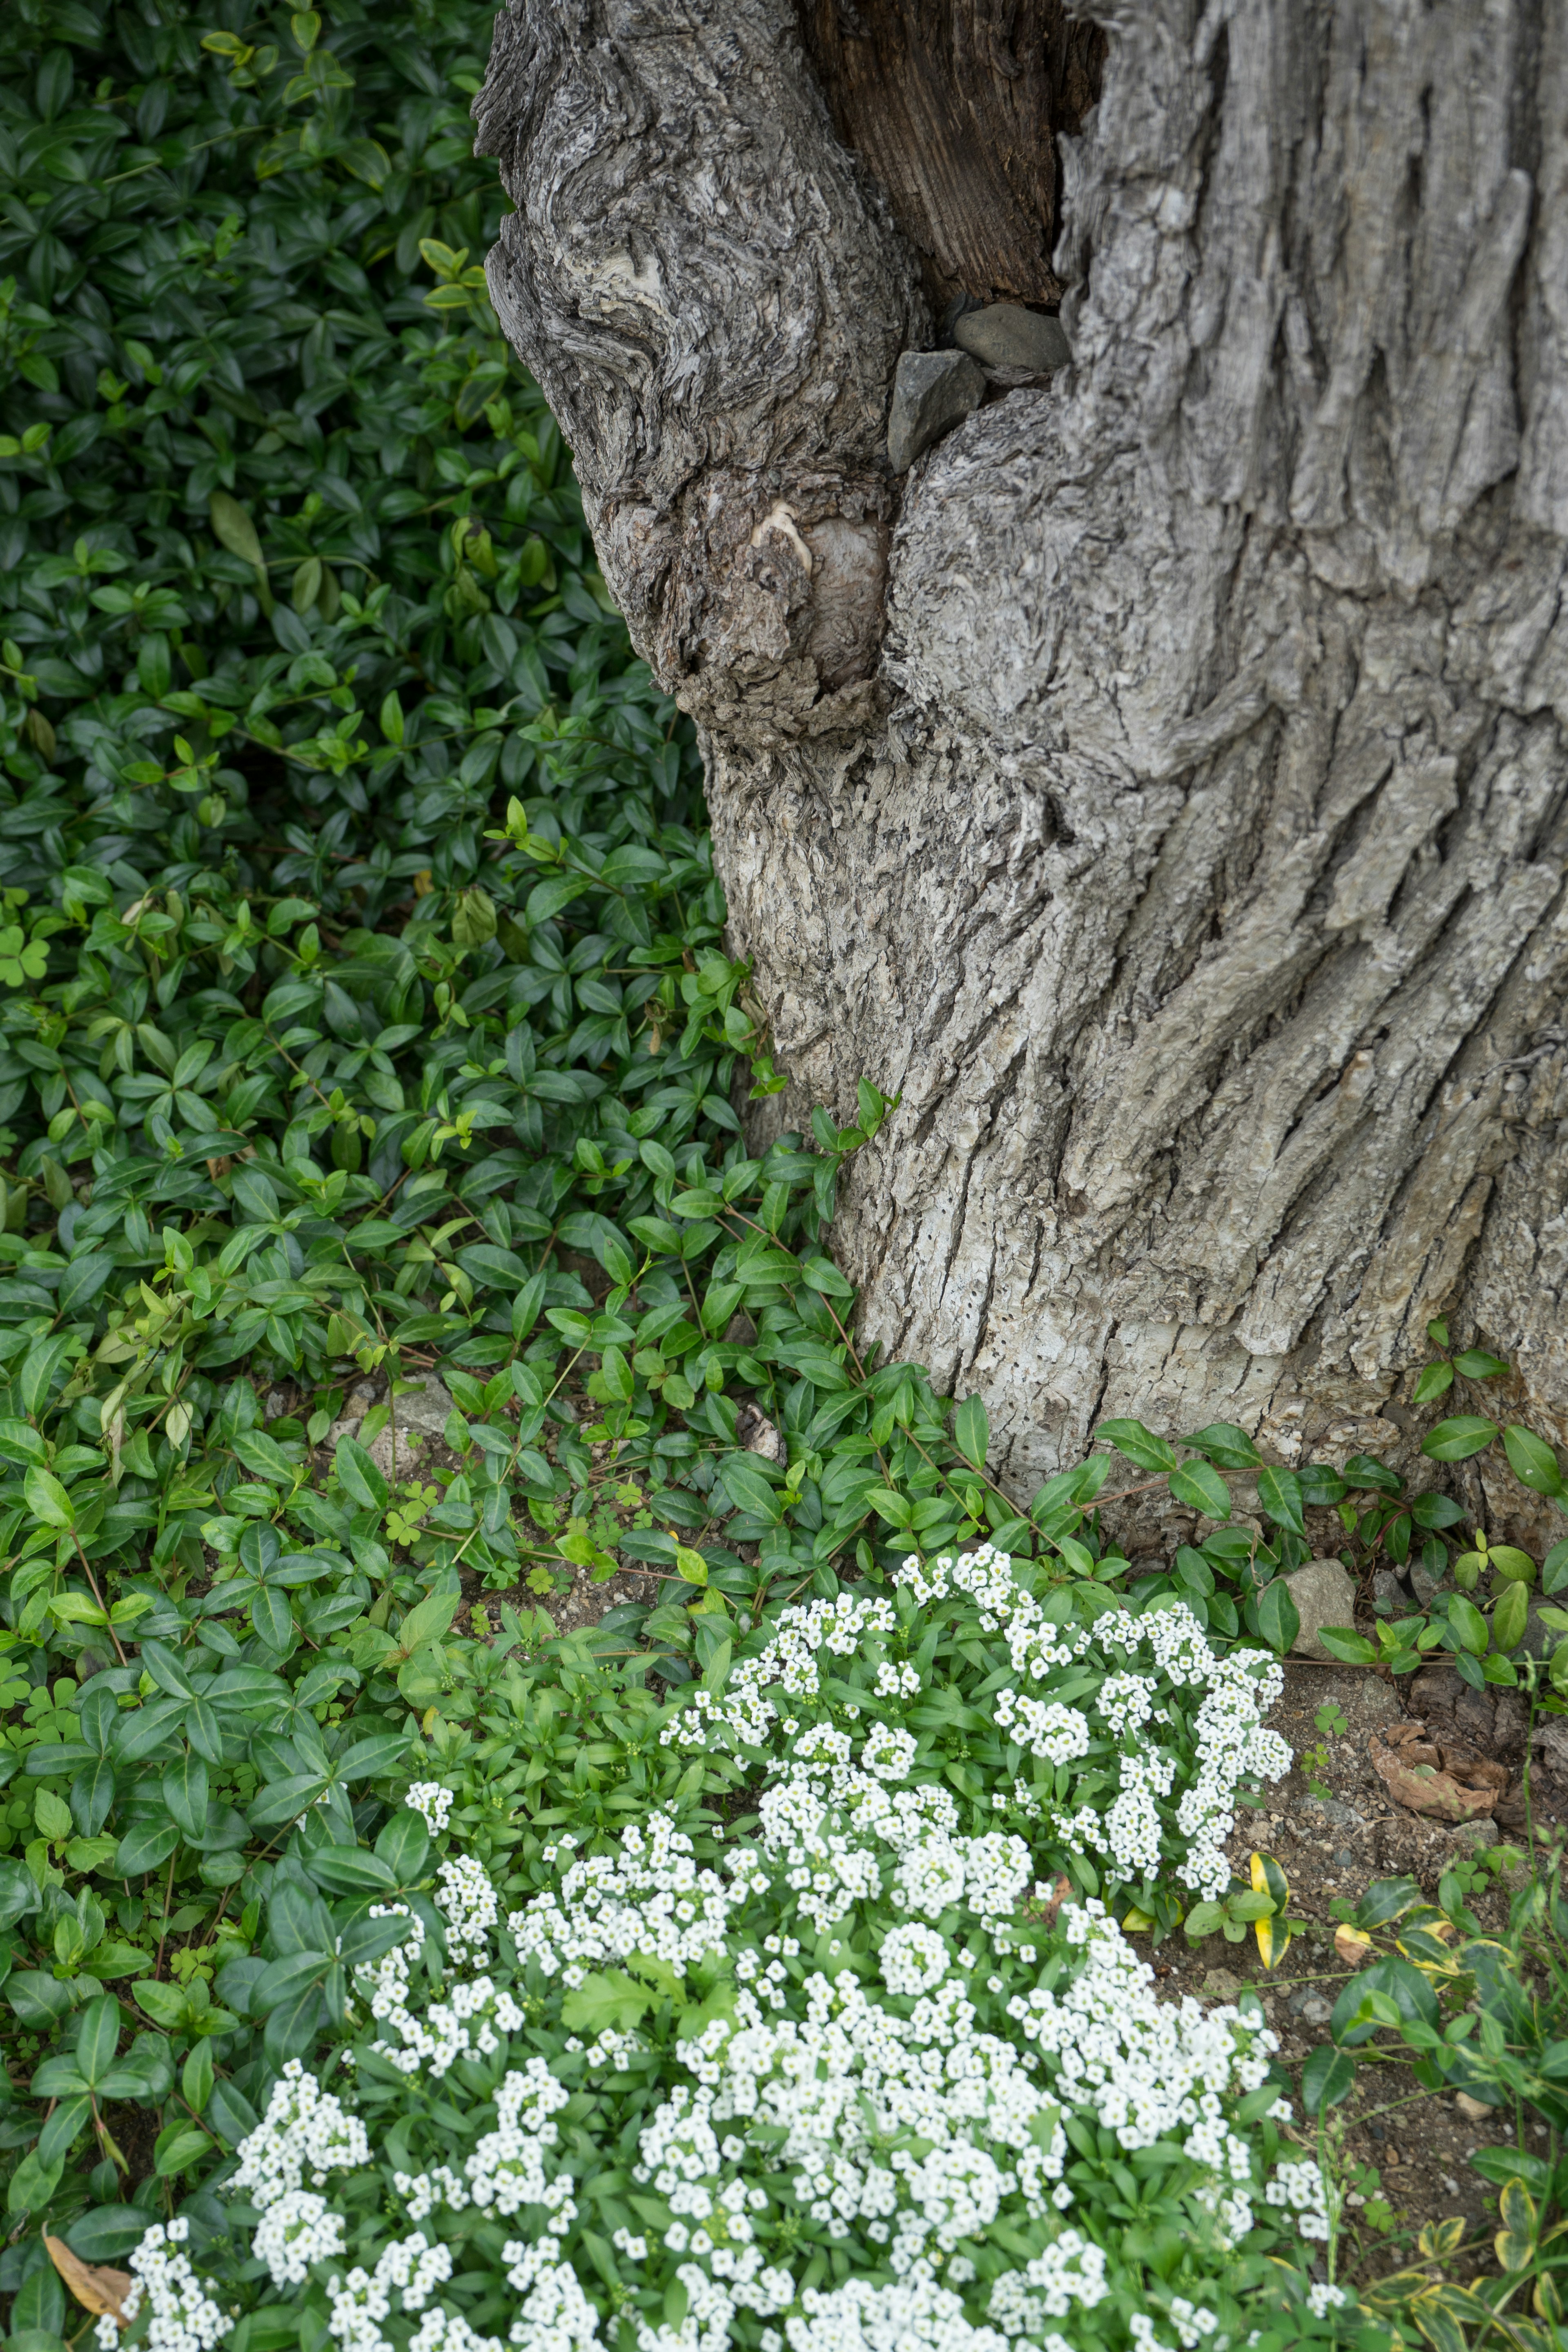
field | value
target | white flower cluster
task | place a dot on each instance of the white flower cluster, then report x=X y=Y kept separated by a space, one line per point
x=869 y=2056
x=860 y=2317
x=1069 y=2272
x=385 y=1982
x=888 y=1753
x=432 y=1802
x=555 y=2315
x=295 y=2231
x=1299 y=2187
x=305 y=2131
x=1107 y=1729
x=184 y=2318
x=409 y=2269
x=913 y=1959
x=650 y=1897
x=468 y=1900
x=467 y=2024
x=1126 y=1701
x=1044 y=1727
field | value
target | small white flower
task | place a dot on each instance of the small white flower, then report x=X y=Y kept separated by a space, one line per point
x=434 y=1803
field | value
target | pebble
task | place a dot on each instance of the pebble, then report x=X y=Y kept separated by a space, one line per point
x=425 y=1408
x=1389 y=1597
x=1006 y=335
x=933 y=392
x=1319 y=1810
x=1424 y=1584
x=1324 y=1595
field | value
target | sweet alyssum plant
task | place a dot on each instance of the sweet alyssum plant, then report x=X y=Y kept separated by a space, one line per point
x=846 y=2075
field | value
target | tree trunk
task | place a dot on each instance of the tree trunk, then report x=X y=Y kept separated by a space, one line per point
x=1161 y=786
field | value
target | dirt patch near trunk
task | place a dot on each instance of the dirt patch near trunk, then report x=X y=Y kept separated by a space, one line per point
x=1333 y=1826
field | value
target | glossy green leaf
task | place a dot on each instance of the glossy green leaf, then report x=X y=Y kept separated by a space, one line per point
x=1457 y=1440
x=1278 y=1619
x=1532 y=1460
x=1139 y=1444
x=971 y=1431
x=1201 y=1488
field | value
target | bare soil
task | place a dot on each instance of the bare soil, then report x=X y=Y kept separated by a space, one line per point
x=1410 y=2146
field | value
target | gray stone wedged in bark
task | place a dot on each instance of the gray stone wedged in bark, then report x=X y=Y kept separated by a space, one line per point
x=933 y=392
x=1192 y=856
x=1006 y=335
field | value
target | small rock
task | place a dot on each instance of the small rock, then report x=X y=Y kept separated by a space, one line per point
x=408 y=1449
x=1317 y=2010
x=1472 y=1836
x=1550 y=1738
x=1319 y=1810
x=1006 y=335
x=757 y=1433
x=1389 y=1597
x=933 y=392
x=1220 y=1984
x=1424 y=1584
x=423 y=1410
x=1346 y=1857
x=276 y=1404
x=1323 y=1595
x=361 y=1398
x=1475 y=2110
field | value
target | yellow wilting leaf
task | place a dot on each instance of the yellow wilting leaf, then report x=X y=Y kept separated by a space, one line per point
x=1273 y=1940
x=1274 y=1934
x=1268 y=1878
x=1136 y=1923
x=1515 y=2241
x=1353 y=1945
x=103 y=2291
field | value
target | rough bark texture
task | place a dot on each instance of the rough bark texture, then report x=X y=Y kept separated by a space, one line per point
x=1164 y=787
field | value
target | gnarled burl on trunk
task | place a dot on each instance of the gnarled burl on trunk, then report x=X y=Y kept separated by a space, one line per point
x=1160 y=786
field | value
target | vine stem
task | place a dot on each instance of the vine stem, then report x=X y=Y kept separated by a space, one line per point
x=98 y=1596
x=163 y=1930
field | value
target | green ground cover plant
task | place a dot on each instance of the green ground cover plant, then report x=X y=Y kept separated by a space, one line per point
x=364 y=1008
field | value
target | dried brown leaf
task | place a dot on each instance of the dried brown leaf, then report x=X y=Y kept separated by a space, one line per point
x=103 y=2291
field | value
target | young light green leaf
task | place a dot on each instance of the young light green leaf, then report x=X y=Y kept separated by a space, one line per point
x=47 y=1499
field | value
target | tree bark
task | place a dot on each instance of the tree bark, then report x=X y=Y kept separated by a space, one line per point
x=1162 y=787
